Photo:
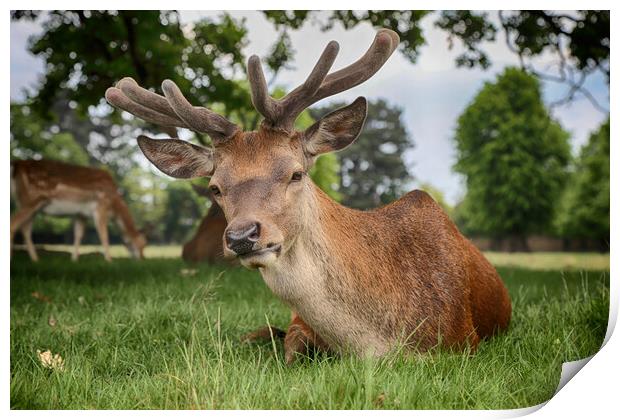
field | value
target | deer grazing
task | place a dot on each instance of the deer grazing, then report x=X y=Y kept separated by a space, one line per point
x=61 y=189
x=362 y=282
x=206 y=245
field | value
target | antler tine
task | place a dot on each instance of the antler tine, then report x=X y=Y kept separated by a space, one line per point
x=319 y=83
x=264 y=104
x=143 y=96
x=170 y=111
x=117 y=98
x=276 y=111
x=297 y=100
x=380 y=50
x=197 y=117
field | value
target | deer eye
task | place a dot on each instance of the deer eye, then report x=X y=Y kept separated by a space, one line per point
x=297 y=176
x=215 y=190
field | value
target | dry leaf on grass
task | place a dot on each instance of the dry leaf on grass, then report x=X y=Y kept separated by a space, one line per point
x=51 y=361
x=41 y=297
x=189 y=272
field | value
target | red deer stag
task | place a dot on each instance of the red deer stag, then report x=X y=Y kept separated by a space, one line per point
x=206 y=245
x=61 y=189
x=357 y=281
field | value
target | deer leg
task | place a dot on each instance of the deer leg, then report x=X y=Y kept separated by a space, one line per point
x=78 y=233
x=301 y=339
x=262 y=335
x=23 y=216
x=27 y=233
x=101 y=224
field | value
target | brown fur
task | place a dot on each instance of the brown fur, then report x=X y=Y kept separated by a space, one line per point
x=408 y=270
x=206 y=245
x=358 y=281
x=38 y=183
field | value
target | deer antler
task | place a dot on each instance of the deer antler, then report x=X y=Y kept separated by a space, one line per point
x=170 y=110
x=319 y=84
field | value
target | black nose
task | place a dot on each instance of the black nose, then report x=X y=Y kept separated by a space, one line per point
x=241 y=239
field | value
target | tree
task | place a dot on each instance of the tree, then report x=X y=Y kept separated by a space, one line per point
x=146 y=195
x=514 y=158
x=372 y=170
x=584 y=210
x=184 y=208
x=32 y=139
x=578 y=41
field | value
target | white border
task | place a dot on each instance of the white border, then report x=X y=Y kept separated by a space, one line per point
x=593 y=391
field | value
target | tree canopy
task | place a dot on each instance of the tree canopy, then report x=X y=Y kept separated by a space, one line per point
x=577 y=41
x=514 y=157
x=584 y=212
x=505 y=138
x=31 y=139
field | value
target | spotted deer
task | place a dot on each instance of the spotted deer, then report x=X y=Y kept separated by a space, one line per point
x=61 y=189
x=361 y=282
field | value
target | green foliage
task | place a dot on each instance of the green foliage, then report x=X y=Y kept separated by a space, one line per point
x=140 y=334
x=584 y=210
x=31 y=138
x=372 y=170
x=88 y=51
x=167 y=209
x=85 y=52
x=214 y=58
x=587 y=34
x=471 y=28
x=514 y=157
x=405 y=22
x=146 y=195
x=531 y=33
x=184 y=209
x=325 y=174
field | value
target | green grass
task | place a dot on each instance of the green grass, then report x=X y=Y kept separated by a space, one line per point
x=144 y=335
x=550 y=260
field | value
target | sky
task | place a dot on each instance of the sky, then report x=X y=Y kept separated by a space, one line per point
x=432 y=93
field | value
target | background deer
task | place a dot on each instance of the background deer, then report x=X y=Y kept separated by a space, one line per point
x=357 y=281
x=206 y=245
x=61 y=189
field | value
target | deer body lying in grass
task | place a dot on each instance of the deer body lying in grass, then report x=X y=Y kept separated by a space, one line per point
x=356 y=281
x=206 y=244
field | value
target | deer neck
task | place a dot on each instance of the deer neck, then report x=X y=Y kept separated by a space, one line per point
x=320 y=275
x=125 y=221
x=326 y=227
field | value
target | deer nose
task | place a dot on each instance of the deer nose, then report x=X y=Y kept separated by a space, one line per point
x=241 y=239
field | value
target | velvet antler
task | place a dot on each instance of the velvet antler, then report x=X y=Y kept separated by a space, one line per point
x=170 y=110
x=319 y=84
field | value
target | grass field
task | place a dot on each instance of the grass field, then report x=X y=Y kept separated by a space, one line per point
x=151 y=334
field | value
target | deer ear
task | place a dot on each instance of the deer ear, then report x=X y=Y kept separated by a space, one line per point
x=336 y=130
x=178 y=158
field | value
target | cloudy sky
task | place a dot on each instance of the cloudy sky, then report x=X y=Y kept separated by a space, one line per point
x=432 y=93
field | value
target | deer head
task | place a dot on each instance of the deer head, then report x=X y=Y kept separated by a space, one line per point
x=258 y=178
